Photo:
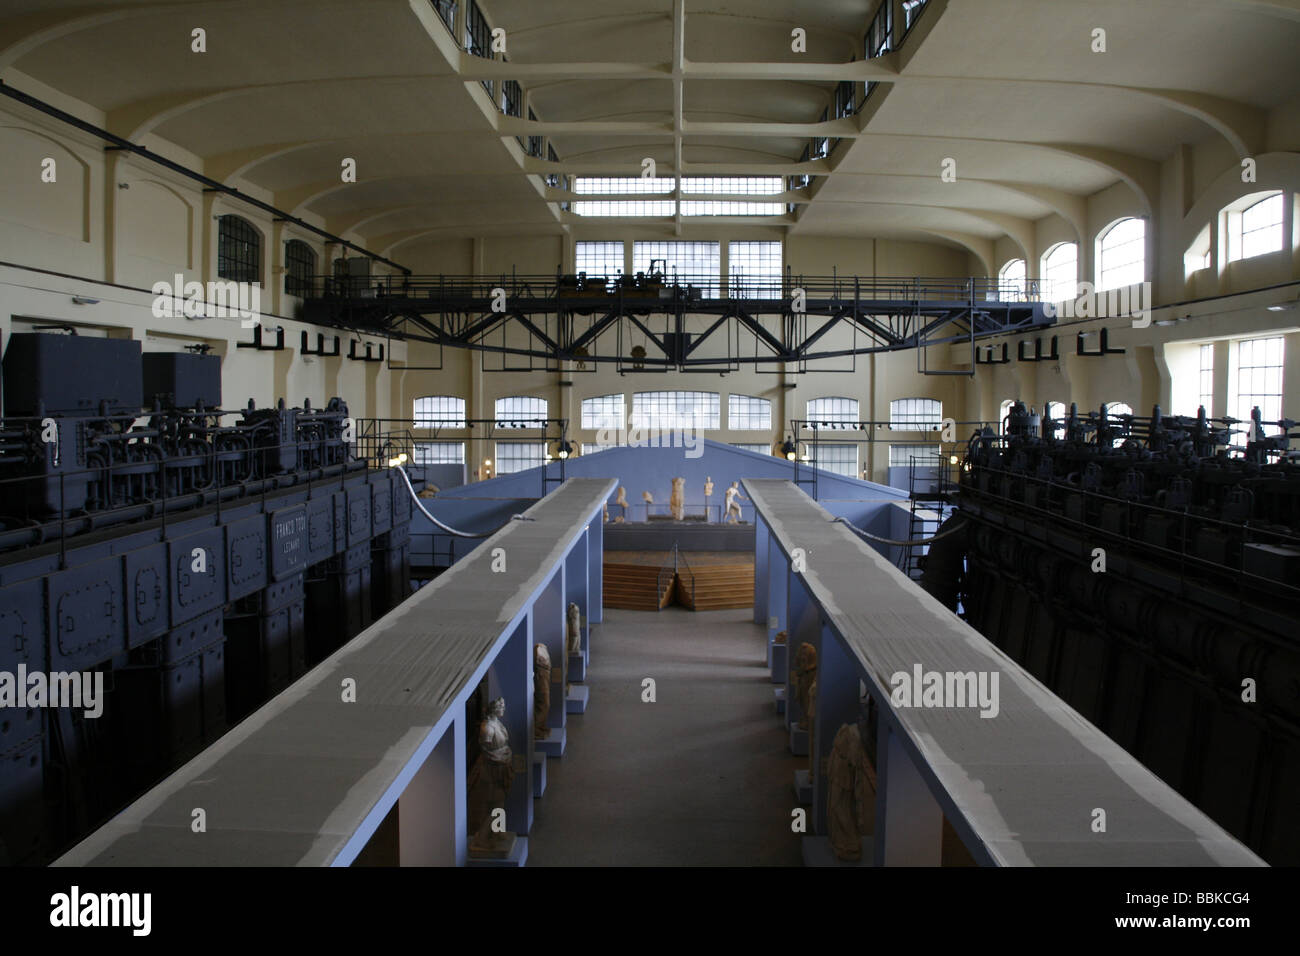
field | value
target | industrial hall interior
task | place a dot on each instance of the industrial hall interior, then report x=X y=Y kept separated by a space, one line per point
x=598 y=433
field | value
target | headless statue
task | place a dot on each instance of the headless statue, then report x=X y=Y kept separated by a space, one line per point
x=804 y=673
x=574 y=638
x=541 y=692
x=677 y=503
x=488 y=783
x=848 y=792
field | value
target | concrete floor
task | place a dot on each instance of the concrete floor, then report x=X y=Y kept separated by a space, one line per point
x=700 y=777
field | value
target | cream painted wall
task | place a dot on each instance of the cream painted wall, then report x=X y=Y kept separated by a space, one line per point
x=85 y=226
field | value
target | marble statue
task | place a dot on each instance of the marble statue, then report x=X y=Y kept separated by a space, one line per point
x=733 y=505
x=574 y=639
x=805 y=673
x=621 y=500
x=541 y=692
x=708 y=487
x=649 y=498
x=677 y=502
x=607 y=512
x=848 y=792
x=488 y=783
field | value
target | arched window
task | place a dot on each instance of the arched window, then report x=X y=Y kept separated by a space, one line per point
x=748 y=413
x=1121 y=255
x=1003 y=411
x=1056 y=411
x=694 y=410
x=299 y=267
x=1115 y=409
x=1011 y=281
x=834 y=412
x=239 y=250
x=439 y=411
x=520 y=411
x=1255 y=229
x=915 y=414
x=1061 y=273
x=603 y=411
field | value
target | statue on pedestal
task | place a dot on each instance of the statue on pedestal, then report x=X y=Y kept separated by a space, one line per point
x=805 y=674
x=848 y=792
x=734 y=497
x=621 y=501
x=677 y=503
x=607 y=512
x=488 y=784
x=541 y=692
x=708 y=494
x=574 y=635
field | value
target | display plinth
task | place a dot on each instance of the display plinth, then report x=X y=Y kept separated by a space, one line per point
x=817 y=852
x=803 y=787
x=576 y=700
x=798 y=741
x=553 y=744
x=779 y=665
x=578 y=666
x=778 y=694
x=518 y=856
x=539 y=773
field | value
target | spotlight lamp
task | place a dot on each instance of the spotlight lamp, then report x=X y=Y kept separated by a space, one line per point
x=565 y=450
x=789 y=450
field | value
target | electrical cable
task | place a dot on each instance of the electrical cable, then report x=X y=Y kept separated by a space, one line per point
x=447 y=528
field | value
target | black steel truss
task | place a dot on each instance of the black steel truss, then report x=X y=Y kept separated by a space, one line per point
x=564 y=318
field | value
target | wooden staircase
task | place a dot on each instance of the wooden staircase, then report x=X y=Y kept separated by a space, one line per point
x=715 y=587
x=703 y=581
x=637 y=587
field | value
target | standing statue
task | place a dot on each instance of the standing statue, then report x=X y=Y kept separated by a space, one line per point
x=805 y=674
x=541 y=692
x=733 y=506
x=848 y=776
x=708 y=487
x=677 y=503
x=574 y=639
x=489 y=781
x=647 y=497
x=621 y=500
x=606 y=512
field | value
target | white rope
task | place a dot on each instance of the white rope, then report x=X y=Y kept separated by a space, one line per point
x=447 y=528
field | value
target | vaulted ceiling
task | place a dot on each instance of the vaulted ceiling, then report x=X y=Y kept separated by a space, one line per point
x=1010 y=89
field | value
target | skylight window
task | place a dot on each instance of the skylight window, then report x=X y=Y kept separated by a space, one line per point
x=619 y=185
x=716 y=207
x=625 y=207
x=732 y=185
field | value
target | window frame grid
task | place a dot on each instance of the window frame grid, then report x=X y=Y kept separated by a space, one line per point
x=614 y=404
x=1132 y=270
x=523 y=413
x=748 y=409
x=915 y=414
x=817 y=449
x=534 y=459
x=669 y=402
x=239 y=250
x=425 y=446
x=299 y=267
x=701 y=269
x=842 y=415
x=454 y=416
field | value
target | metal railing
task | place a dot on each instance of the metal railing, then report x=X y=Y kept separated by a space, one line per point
x=844 y=289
